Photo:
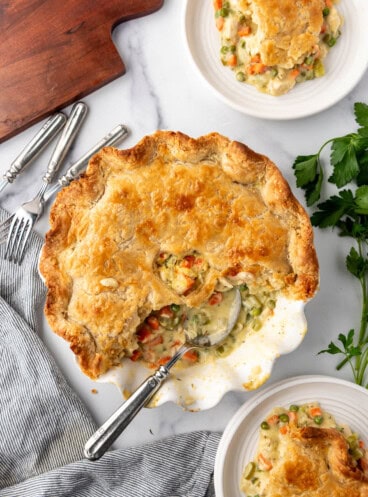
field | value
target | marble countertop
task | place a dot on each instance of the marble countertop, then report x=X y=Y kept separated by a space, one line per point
x=162 y=90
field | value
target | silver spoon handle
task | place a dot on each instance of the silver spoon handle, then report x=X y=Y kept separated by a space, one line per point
x=75 y=120
x=104 y=437
x=112 y=138
x=48 y=131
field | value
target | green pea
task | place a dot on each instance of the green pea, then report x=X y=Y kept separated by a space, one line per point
x=318 y=420
x=243 y=44
x=232 y=48
x=357 y=453
x=240 y=76
x=265 y=425
x=284 y=418
x=325 y=12
x=224 y=49
x=294 y=408
x=274 y=72
x=243 y=287
x=331 y=42
x=249 y=470
x=309 y=60
x=175 y=307
x=256 y=311
x=224 y=12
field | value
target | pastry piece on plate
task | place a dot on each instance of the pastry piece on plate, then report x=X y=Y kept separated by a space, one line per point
x=153 y=237
x=274 y=44
x=303 y=452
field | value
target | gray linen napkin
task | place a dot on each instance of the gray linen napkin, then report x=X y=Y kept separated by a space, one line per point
x=44 y=425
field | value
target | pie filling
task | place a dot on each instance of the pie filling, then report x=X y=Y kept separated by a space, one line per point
x=163 y=331
x=182 y=274
x=271 y=448
x=239 y=49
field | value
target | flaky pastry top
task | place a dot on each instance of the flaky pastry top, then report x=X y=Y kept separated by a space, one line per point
x=174 y=194
x=316 y=463
x=287 y=31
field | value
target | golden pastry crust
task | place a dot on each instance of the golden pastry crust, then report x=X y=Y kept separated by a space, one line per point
x=173 y=194
x=317 y=463
x=287 y=30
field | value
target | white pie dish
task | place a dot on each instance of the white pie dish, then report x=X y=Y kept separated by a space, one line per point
x=345 y=65
x=347 y=402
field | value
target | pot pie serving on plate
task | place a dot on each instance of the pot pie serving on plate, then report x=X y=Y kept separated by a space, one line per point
x=274 y=44
x=303 y=451
x=156 y=236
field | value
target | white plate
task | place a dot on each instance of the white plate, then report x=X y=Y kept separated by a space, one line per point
x=345 y=65
x=346 y=401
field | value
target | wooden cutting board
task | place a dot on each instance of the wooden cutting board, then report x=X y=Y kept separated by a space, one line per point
x=53 y=52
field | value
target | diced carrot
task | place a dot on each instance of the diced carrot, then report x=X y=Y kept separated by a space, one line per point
x=315 y=411
x=217 y=4
x=188 y=261
x=256 y=58
x=324 y=28
x=266 y=464
x=190 y=283
x=136 y=354
x=273 y=420
x=294 y=73
x=163 y=360
x=166 y=312
x=198 y=261
x=153 y=322
x=361 y=444
x=244 y=31
x=257 y=68
x=144 y=333
x=220 y=23
x=155 y=341
x=329 y=3
x=191 y=356
x=232 y=60
x=283 y=429
x=292 y=416
x=215 y=298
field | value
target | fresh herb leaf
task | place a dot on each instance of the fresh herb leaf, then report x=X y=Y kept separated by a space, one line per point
x=309 y=176
x=361 y=200
x=361 y=113
x=355 y=263
x=333 y=209
x=305 y=167
x=332 y=349
x=344 y=160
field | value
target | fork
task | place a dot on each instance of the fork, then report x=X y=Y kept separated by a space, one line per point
x=112 y=138
x=23 y=219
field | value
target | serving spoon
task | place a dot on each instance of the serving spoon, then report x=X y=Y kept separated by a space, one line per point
x=102 y=439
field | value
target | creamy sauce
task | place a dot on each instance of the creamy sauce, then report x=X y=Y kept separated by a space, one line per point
x=164 y=331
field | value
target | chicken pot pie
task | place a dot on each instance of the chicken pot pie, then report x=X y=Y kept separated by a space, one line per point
x=274 y=44
x=157 y=235
x=303 y=452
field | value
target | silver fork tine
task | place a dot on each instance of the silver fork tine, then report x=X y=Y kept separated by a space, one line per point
x=12 y=237
x=18 y=256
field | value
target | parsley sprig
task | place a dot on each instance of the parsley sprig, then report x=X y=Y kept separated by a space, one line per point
x=347 y=211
